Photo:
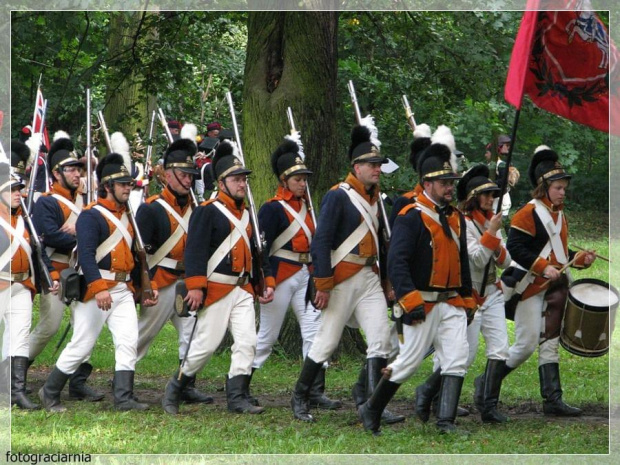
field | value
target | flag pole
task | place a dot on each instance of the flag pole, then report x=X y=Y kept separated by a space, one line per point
x=504 y=180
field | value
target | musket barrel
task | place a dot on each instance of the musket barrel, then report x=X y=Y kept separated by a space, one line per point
x=89 y=163
x=104 y=128
x=164 y=123
x=409 y=114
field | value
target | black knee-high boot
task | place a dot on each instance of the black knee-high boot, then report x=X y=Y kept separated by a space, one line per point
x=300 y=398
x=370 y=412
x=551 y=391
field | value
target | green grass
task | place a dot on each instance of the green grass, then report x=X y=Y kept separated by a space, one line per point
x=210 y=429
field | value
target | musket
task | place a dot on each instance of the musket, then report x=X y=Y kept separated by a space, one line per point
x=89 y=162
x=164 y=123
x=145 y=280
x=149 y=151
x=387 y=231
x=257 y=236
x=106 y=133
x=35 y=164
x=291 y=122
x=47 y=282
x=409 y=113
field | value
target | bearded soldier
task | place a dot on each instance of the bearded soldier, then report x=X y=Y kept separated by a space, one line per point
x=55 y=214
x=218 y=265
x=164 y=221
x=429 y=269
x=105 y=240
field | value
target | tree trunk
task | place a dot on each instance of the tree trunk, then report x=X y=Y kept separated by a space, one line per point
x=292 y=61
x=127 y=105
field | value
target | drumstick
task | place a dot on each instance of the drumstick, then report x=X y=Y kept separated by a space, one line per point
x=595 y=254
x=562 y=270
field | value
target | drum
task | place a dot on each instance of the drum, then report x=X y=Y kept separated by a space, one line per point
x=589 y=318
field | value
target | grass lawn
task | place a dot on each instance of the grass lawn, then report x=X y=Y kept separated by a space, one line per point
x=210 y=429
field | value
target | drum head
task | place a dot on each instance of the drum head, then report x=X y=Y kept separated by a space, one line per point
x=594 y=295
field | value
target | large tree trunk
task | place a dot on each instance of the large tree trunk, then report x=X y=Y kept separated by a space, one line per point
x=127 y=105
x=292 y=61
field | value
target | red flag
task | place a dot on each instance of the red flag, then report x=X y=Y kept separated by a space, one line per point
x=39 y=113
x=561 y=60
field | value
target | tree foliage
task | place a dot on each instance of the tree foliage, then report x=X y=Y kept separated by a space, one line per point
x=451 y=65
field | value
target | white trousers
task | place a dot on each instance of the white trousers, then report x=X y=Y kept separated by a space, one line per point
x=529 y=324
x=445 y=327
x=490 y=320
x=291 y=291
x=152 y=320
x=17 y=321
x=234 y=311
x=51 y=310
x=356 y=302
x=88 y=321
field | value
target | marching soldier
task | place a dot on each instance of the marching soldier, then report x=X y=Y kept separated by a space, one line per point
x=18 y=275
x=345 y=252
x=538 y=244
x=104 y=246
x=218 y=265
x=487 y=252
x=164 y=221
x=55 y=214
x=429 y=269
x=288 y=227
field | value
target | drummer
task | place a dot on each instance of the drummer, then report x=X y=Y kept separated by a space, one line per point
x=538 y=244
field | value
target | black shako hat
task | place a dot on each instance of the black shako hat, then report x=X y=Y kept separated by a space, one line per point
x=112 y=169
x=421 y=141
x=364 y=148
x=438 y=161
x=475 y=181
x=19 y=156
x=62 y=153
x=545 y=167
x=9 y=179
x=180 y=155
x=225 y=161
x=288 y=160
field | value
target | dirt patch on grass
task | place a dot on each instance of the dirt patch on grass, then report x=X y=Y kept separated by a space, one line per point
x=150 y=390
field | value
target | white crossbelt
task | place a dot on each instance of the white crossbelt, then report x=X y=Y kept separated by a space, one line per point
x=17 y=240
x=119 y=234
x=238 y=232
x=75 y=208
x=370 y=224
x=159 y=257
x=289 y=233
x=553 y=229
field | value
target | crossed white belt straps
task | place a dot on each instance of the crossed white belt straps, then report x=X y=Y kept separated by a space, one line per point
x=75 y=208
x=370 y=223
x=160 y=256
x=290 y=232
x=17 y=240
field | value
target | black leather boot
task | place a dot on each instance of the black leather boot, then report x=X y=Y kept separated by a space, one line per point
x=479 y=387
x=425 y=393
x=374 y=368
x=251 y=399
x=299 y=400
x=551 y=391
x=448 y=403
x=50 y=392
x=19 y=368
x=172 y=394
x=370 y=412
x=493 y=376
x=123 y=392
x=78 y=389
x=359 y=388
x=191 y=395
x=237 y=389
x=317 y=397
